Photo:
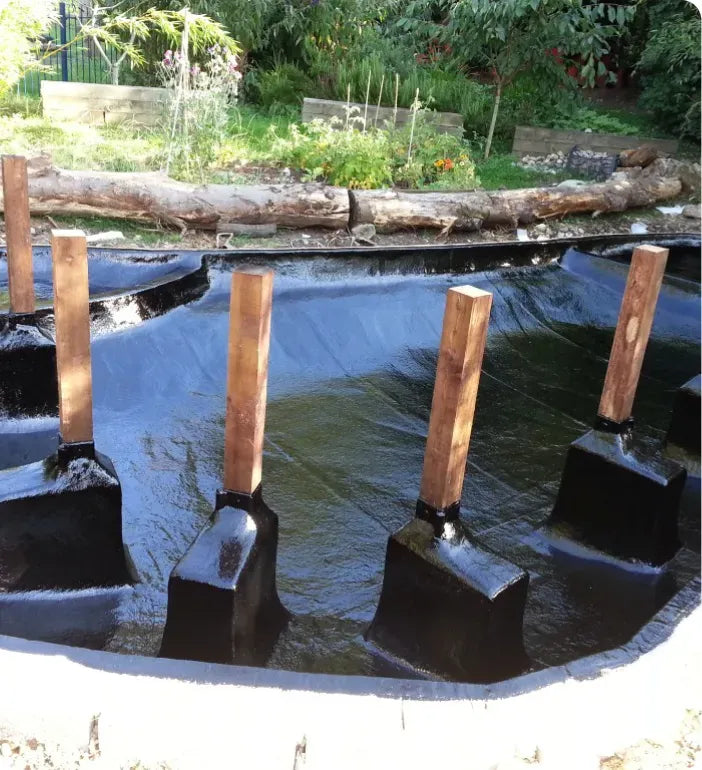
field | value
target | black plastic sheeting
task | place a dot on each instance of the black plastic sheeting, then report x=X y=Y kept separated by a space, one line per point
x=352 y=364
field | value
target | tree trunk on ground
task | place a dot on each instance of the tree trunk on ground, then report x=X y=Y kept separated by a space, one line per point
x=155 y=197
x=391 y=210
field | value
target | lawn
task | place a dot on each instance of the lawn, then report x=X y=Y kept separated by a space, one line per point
x=244 y=156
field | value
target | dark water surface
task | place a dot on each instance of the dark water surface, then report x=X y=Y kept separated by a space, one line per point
x=352 y=365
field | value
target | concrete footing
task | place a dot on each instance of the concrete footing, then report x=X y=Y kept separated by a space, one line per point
x=449 y=606
x=26 y=350
x=619 y=497
x=61 y=523
x=684 y=430
x=223 y=605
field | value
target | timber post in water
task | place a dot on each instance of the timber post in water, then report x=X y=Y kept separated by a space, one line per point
x=617 y=495
x=61 y=518
x=448 y=605
x=223 y=604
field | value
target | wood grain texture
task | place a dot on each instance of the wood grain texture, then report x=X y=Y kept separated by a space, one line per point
x=20 y=273
x=72 y=315
x=453 y=405
x=632 y=332
x=540 y=141
x=247 y=378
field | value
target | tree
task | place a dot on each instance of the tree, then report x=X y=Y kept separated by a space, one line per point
x=126 y=30
x=670 y=67
x=21 y=25
x=508 y=37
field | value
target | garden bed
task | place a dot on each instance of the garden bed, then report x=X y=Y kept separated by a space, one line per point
x=103 y=104
x=543 y=141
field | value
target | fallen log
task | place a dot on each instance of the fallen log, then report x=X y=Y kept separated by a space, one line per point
x=156 y=197
x=392 y=210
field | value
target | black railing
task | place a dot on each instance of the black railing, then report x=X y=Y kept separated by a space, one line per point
x=78 y=62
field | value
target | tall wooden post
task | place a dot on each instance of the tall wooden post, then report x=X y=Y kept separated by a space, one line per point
x=455 y=390
x=247 y=378
x=632 y=333
x=20 y=274
x=72 y=313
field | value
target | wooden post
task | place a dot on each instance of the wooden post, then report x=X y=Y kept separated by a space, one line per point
x=455 y=390
x=20 y=275
x=247 y=378
x=633 y=329
x=72 y=314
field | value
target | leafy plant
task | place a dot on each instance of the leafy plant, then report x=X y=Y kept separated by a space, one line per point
x=285 y=84
x=510 y=37
x=200 y=97
x=21 y=25
x=670 y=68
x=349 y=157
x=595 y=120
x=126 y=30
x=377 y=157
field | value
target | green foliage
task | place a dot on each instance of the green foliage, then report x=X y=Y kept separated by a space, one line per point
x=670 y=68
x=350 y=157
x=127 y=32
x=501 y=171
x=597 y=121
x=347 y=155
x=510 y=37
x=21 y=25
x=198 y=109
x=291 y=30
x=284 y=84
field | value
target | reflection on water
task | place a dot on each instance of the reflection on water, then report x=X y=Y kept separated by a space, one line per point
x=351 y=377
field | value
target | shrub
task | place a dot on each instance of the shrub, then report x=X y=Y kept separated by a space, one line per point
x=342 y=153
x=198 y=109
x=283 y=85
x=21 y=25
x=350 y=157
x=670 y=69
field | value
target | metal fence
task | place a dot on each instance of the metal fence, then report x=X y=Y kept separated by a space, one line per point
x=79 y=62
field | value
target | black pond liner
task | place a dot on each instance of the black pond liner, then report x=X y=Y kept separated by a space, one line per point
x=354 y=343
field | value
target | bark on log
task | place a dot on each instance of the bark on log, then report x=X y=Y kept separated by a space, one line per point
x=391 y=210
x=640 y=156
x=155 y=197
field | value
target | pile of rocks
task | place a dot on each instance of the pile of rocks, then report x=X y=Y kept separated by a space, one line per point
x=549 y=164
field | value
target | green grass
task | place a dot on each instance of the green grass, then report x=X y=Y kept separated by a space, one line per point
x=501 y=171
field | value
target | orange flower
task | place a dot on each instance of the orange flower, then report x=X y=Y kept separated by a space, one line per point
x=448 y=164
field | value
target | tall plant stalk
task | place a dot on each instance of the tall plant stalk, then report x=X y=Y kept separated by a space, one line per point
x=415 y=110
x=380 y=97
x=365 y=108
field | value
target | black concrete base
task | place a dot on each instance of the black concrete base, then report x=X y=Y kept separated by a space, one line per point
x=61 y=523
x=448 y=606
x=27 y=368
x=223 y=605
x=684 y=430
x=620 y=498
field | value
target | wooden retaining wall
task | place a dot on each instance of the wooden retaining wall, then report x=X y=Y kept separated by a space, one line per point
x=100 y=104
x=542 y=141
x=446 y=122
